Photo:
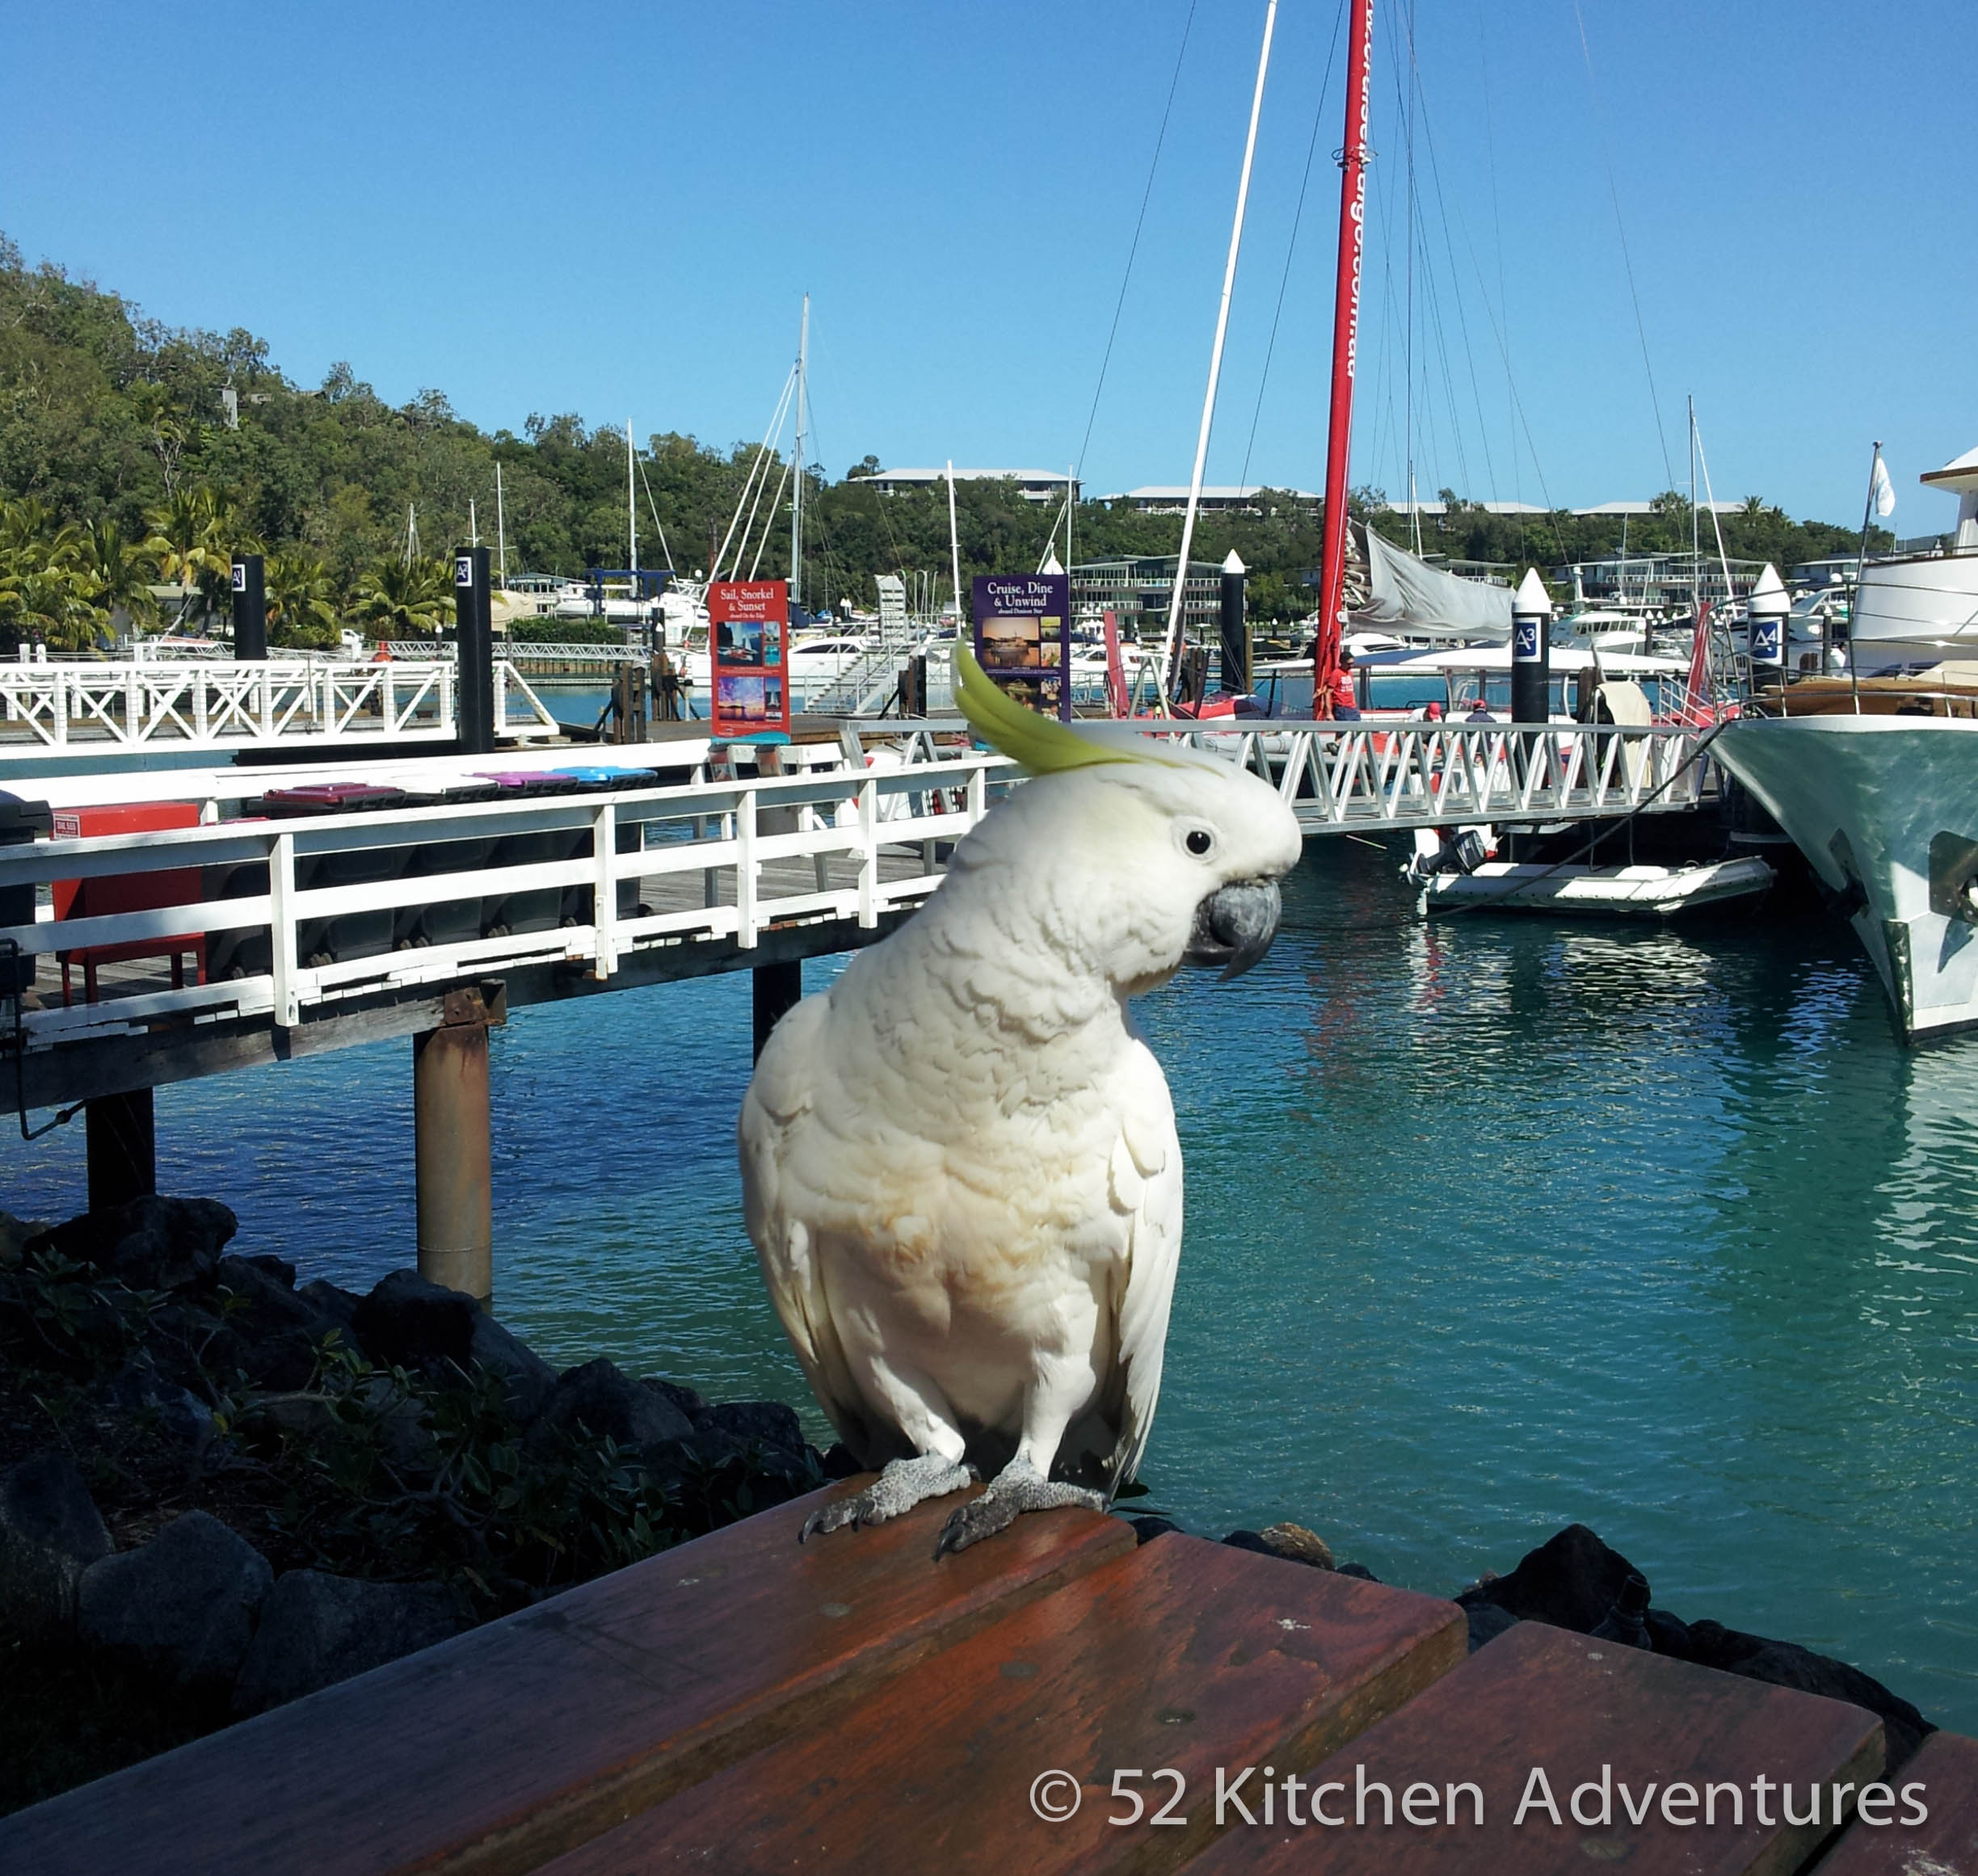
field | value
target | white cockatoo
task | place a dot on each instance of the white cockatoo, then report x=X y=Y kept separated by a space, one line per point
x=959 y=1163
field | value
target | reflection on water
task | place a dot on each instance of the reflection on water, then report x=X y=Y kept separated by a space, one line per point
x=1493 y=1224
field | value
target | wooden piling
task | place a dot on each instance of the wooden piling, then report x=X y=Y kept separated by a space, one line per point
x=122 y=1135
x=453 y=1156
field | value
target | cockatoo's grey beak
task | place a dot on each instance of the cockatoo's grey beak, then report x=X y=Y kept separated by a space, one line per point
x=1235 y=925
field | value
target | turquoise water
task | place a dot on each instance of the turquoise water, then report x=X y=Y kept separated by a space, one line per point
x=1493 y=1225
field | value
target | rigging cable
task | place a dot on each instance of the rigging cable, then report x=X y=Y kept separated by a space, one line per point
x=1133 y=248
x=1627 y=262
x=1291 y=246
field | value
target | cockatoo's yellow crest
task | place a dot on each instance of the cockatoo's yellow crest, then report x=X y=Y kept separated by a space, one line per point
x=1041 y=743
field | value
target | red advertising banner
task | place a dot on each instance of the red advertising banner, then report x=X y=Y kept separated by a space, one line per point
x=748 y=654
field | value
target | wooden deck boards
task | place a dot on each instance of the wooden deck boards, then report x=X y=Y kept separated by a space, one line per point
x=746 y=1705
x=1578 y=1709
x=497 y=1750
x=1185 y=1654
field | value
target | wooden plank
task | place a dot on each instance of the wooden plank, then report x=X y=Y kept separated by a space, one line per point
x=502 y=1748
x=1568 y=1706
x=1187 y=1654
x=1941 y=1780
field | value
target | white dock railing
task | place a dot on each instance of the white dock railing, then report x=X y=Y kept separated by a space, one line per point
x=294 y=916
x=521 y=651
x=215 y=705
x=1372 y=775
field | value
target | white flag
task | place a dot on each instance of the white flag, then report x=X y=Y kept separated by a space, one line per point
x=1885 y=490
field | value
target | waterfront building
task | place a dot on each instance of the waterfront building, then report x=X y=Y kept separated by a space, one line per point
x=1033 y=485
x=1137 y=590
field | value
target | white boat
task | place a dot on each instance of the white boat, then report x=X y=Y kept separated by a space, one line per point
x=1876 y=779
x=1602 y=892
x=1885 y=809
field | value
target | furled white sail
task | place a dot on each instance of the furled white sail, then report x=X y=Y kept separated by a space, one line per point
x=1408 y=596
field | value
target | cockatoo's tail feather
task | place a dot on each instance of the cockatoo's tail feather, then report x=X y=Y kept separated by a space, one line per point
x=1042 y=744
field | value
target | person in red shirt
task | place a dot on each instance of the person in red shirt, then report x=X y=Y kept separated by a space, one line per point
x=1345 y=703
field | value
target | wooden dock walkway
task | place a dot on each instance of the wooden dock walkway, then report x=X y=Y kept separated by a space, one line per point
x=1054 y=1700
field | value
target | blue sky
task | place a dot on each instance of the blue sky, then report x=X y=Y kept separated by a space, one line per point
x=614 y=210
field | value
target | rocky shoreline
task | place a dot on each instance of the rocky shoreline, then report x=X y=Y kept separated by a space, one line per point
x=221 y=1489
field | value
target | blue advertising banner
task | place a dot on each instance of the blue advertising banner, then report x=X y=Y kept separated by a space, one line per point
x=1023 y=637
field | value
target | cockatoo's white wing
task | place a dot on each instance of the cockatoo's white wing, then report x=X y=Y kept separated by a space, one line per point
x=780 y=1099
x=1146 y=1187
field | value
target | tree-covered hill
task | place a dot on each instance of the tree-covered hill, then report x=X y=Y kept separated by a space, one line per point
x=132 y=454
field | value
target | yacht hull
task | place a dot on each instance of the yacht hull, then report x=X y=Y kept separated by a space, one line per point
x=1885 y=809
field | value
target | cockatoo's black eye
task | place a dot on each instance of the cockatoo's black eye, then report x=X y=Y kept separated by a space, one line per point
x=1200 y=842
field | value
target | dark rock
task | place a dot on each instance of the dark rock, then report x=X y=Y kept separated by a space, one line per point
x=1786 y=1664
x=600 y=1399
x=1292 y=1542
x=1358 y=1569
x=839 y=1461
x=692 y=1404
x=184 y=1604
x=1298 y=1544
x=16 y=1234
x=316 y=1630
x=150 y=1244
x=333 y=1306
x=766 y=1423
x=50 y=1533
x=277 y=1331
x=137 y=1387
x=1572 y=1581
x=269 y=1265
x=1669 y=1635
x=1487 y=1622
x=1147 y=1529
x=406 y=1322
x=526 y=1380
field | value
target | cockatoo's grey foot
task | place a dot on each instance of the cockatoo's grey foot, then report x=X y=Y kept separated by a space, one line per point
x=901 y=1485
x=1018 y=1488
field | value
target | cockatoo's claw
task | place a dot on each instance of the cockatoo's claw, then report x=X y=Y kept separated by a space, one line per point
x=903 y=1484
x=1015 y=1489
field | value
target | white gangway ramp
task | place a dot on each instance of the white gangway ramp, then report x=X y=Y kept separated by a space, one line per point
x=1372 y=775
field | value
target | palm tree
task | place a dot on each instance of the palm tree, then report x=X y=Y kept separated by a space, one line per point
x=404 y=600
x=193 y=538
x=44 y=586
x=119 y=572
x=302 y=600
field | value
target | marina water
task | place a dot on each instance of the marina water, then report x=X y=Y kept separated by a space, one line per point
x=1493 y=1225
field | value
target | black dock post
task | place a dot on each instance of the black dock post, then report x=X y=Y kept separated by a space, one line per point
x=474 y=611
x=453 y=1156
x=1531 y=651
x=122 y=1139
x=1235 y=628
x=779 y=989
x=249 y=607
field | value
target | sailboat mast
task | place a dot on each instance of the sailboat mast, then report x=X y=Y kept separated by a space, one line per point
x=803 y=357
x=501 y=526
x=1696 y=554
x=1345 y=340
x=1171 y=642
x=632 y=510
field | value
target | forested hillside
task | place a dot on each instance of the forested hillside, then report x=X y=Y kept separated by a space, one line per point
x=124 y=463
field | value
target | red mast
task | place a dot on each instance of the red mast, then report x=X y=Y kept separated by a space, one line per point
x=1345 y=343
